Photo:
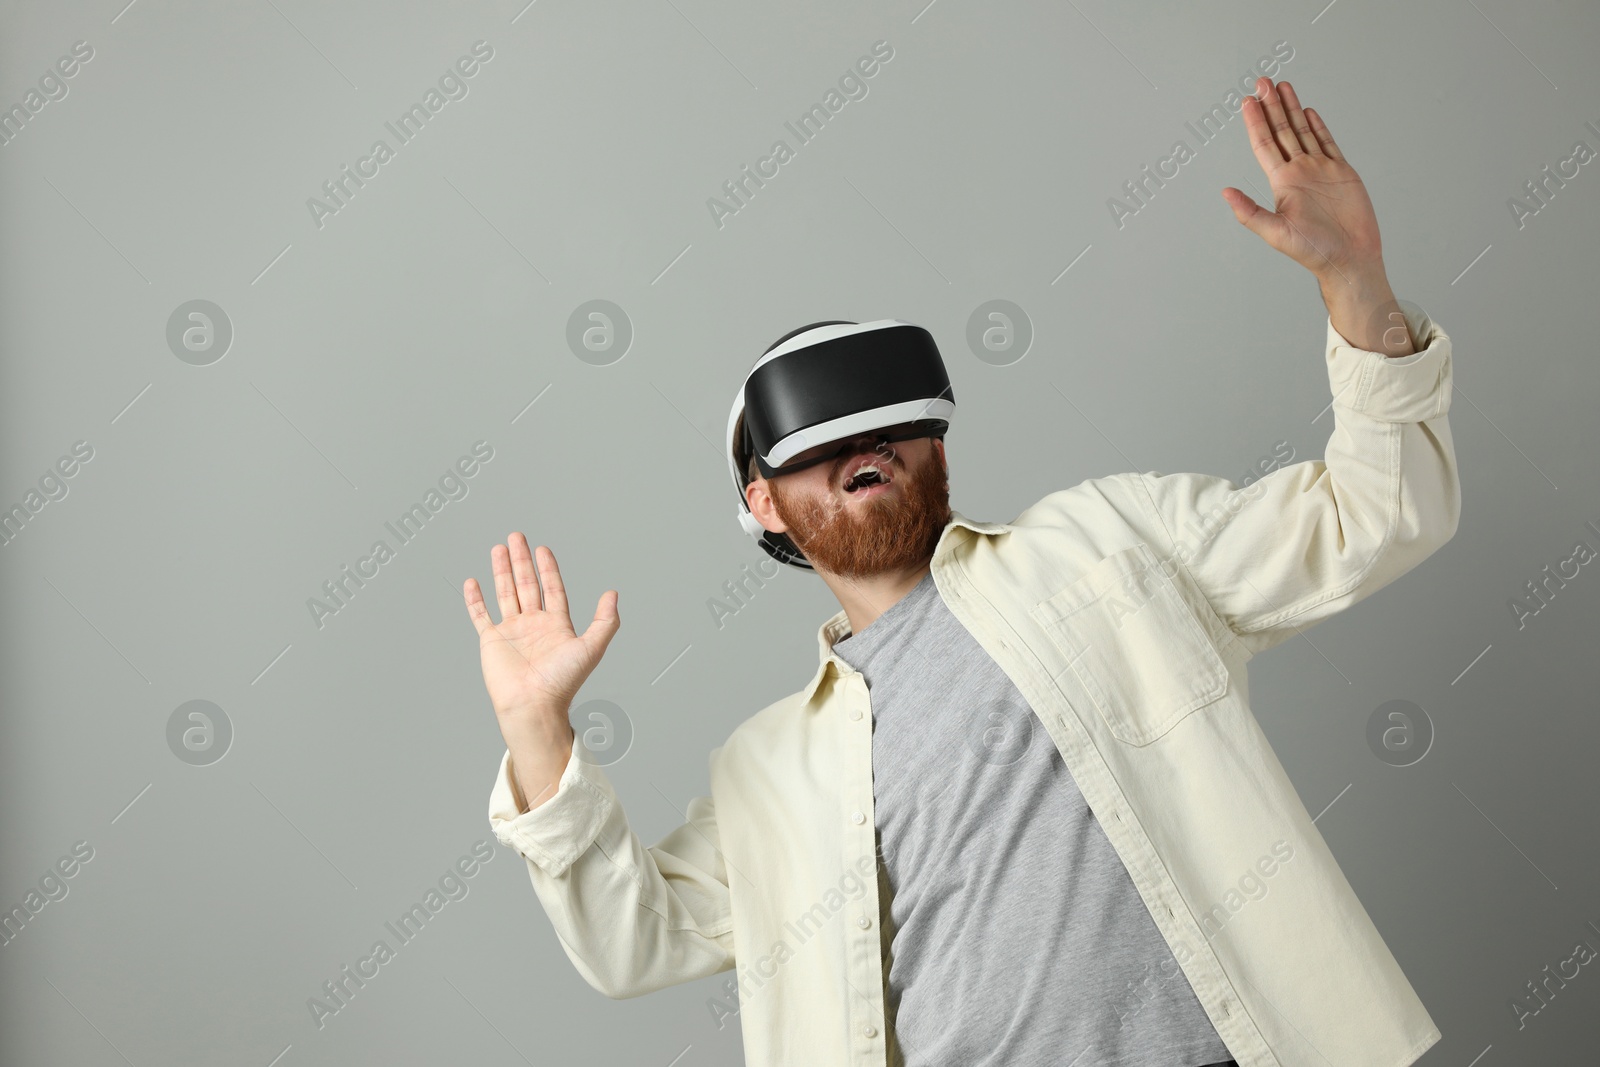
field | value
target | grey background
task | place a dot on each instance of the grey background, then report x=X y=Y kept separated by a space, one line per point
x=369 y=354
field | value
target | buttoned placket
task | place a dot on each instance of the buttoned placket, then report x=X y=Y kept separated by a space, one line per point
x=859 y=744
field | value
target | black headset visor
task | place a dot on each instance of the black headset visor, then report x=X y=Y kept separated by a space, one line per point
x=836 y=379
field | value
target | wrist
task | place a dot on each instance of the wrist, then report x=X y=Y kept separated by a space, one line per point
x=1362 y=280
x=535 y=764
x=1363 y=309
x=542 y=716
x=541 y=731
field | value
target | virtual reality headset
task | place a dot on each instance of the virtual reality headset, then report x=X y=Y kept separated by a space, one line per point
x=822 y=386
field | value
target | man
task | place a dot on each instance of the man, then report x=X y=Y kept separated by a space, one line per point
x=1022 y=813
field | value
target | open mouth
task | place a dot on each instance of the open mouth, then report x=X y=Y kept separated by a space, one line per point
x=866 y=477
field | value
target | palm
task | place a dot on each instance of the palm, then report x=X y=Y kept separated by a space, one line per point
x=533 y=658
x=1324 y=219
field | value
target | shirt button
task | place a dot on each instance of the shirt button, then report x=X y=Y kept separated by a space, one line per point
x=863 y=922
x=870 y=1030
x=855 y=713
x=857 y=818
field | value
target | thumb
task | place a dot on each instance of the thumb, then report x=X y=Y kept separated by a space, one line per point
x=605 y=625
x=1255 y=218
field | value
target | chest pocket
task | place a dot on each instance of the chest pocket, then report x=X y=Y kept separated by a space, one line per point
x=1134 y=644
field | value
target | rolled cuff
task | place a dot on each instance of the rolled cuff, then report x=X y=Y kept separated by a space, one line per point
x=558 y=831
x=1393 y=389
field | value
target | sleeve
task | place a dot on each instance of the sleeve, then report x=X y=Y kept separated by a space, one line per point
x=1309 y=539
x=631 y=919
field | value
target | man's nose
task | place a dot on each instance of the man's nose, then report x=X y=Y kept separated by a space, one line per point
x=875 y=444
x=870 y=440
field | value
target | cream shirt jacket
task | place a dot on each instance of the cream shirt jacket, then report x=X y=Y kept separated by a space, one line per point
x=1125 y=610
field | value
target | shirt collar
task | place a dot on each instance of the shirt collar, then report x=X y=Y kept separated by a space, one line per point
x=836 y=627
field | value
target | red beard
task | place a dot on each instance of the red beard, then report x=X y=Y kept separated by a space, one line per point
x=894 y=531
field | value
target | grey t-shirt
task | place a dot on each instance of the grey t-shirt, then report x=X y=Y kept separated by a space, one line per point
x=1019 y=938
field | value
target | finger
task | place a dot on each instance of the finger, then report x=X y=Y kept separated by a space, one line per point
x=1252 y=216
x=555 y=593
x=1266 y=149
x=1324 y=135
x=1297 y=120
x=476 y=611
x=606 y=621
x=522 y=572
x=1281 y=130
x=504 y=591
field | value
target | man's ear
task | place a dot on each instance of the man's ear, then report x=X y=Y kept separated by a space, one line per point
x=759 y=496
x=938 y=446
